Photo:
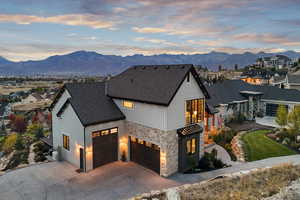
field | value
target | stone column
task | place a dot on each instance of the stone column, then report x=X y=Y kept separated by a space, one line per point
x=251 y=106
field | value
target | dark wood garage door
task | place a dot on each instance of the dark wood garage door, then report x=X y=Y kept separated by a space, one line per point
x=105 y=147
x=271 y=109
x=145 y=154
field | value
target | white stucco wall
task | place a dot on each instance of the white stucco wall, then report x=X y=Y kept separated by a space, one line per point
x=176 y=110
x=68 y=124
x=150 y=115
x=162 y=117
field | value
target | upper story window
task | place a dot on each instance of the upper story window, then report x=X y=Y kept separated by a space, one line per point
x=188 y=78
x=194 y=111
x=128 y=104
x=66 y=142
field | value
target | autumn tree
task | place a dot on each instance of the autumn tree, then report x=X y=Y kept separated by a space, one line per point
x=19 y=124
x=282 y=116
x=9 y=143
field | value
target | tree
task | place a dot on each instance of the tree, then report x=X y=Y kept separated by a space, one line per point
x=19 y=124
x=236 y=67
x=36 y=130
x=281 y=116
x=294 y=121
x=220 y=68
x=9 y=143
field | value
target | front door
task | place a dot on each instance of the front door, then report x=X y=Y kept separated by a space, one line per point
x=81 y=158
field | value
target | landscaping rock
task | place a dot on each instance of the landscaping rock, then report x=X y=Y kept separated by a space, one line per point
x=291 y=192
x=237 y=147
x=4 y=161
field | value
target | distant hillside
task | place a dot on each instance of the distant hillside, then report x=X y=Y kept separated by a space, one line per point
x=84 y=62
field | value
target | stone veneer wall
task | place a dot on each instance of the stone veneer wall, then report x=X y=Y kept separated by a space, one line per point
x=166 y=140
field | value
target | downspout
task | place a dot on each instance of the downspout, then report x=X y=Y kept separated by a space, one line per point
x=84 y=148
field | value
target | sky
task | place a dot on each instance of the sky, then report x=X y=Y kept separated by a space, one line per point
x=36 y=29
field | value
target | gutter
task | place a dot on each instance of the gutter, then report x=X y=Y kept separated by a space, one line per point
x=84 y=147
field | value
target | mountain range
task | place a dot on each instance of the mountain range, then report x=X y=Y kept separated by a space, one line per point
x=91 y=63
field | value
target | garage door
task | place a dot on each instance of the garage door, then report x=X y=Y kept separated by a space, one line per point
x=105 y=146
x=271 y=109
x=145 y=154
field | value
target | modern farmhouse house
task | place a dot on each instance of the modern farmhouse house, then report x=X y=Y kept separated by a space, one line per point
x=151 y=115
x=231 y=98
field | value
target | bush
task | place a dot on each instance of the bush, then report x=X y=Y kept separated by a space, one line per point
x=40 y=150
x=210 y=161
x=19 y=157
x=9 y=143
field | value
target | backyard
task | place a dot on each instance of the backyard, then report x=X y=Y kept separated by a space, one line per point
x=258 y=146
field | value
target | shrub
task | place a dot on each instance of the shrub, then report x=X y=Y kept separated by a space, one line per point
x=9 y=143
x=210 y=161
x=40 y=149
x=19 y=157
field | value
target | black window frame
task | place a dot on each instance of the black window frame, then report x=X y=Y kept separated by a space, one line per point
x=102 y=132
x=194 y=105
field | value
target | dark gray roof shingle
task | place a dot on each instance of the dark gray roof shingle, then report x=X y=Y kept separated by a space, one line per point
x=228 y=91
x=156 y=84
x=91 y=104
x=293 y=79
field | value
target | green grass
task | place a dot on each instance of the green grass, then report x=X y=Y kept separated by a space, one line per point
x=258 y=146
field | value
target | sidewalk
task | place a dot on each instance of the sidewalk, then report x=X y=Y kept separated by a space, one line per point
x=192 y=178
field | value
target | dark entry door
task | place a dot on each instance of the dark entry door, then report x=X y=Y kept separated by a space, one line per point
x=271 y=109
x=81 y=158
x=145 y=154
x=105 y=149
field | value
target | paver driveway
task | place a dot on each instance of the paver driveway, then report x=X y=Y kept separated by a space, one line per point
x=58 y=180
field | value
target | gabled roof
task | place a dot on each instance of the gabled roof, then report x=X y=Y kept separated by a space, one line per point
x=156 y=84
x=91 y=104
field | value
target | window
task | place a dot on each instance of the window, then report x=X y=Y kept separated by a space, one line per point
x=188 y=78
x=128 y=104
x=104 y=132
x=191 y=146
x=66 y=142
x=194 y=111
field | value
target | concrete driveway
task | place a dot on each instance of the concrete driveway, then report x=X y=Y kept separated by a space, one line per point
x=58 y=180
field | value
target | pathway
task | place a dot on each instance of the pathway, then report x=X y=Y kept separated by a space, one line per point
x=222 y=155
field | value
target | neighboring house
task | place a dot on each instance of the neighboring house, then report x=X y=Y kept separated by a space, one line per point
x=32 y=98
x=233 y=97
x=260 y=76
x=289 y=82
x=151 y=115
x=277 y=61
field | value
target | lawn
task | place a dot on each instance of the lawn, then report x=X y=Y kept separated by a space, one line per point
x=258 y=146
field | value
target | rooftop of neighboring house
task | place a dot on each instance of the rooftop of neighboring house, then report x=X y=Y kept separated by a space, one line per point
x=158 y=84
x=37 y=96
x=262 y=73
x=229 y=91
x=293 y=79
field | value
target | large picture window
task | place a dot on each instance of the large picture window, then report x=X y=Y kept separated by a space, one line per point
x=194 y=111
x=66 y=142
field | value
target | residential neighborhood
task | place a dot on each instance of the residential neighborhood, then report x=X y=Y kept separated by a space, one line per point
x=149 y=100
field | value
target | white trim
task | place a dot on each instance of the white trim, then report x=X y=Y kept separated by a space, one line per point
x=278 y=101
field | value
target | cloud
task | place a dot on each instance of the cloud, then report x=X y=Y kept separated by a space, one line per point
x=267 y=38
x=155 y=41
x=89 y=20
x=209 y=43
